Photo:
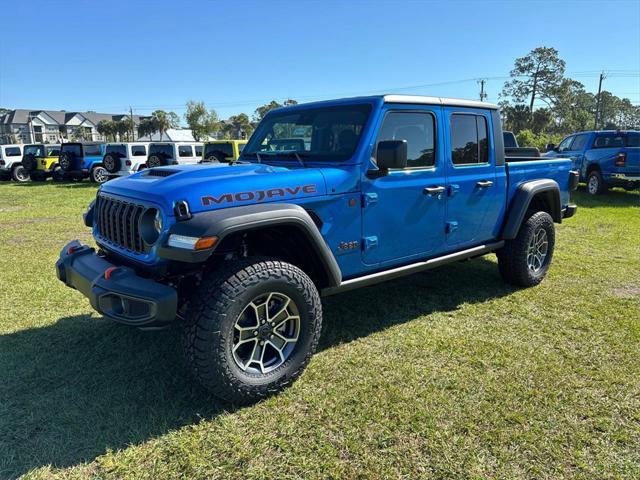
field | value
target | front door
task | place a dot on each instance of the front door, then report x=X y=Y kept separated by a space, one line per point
x=475 y=195
x=404 y=211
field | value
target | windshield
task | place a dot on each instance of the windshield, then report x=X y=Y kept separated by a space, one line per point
x=35 y=150
x=321 y=133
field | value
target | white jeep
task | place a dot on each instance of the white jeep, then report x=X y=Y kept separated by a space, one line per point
x=11 y=163
x=122 y=159
x=174 y=153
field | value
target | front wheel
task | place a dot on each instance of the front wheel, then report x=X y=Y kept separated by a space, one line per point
x=524 y=261
x=252 y=329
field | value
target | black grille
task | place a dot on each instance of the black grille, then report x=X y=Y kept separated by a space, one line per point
x=117 y=222
x=156 y=172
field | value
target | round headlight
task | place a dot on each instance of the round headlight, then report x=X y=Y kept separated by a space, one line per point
x=157 y=222
x=151 y=225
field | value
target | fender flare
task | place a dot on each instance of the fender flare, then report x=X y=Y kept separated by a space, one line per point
x=224 y=222
x=522 y=199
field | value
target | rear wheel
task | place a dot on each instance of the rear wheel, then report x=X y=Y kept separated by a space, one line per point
x=20 y=174
x=99 y=174
x=525 y=260
x=595 y=183
x=252 y=329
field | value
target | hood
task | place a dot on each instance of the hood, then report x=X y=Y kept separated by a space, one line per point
x=218 y=186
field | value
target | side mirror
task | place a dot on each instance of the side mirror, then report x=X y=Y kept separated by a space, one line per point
x=391 y=154
x=551 y=147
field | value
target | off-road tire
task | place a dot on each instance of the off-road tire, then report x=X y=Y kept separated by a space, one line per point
x=211 y=317
x=19 y=174
x=155 y=161
x=512 y=258
x=29 y=162
x=595 y=183
x=99 y=174
x=216 y=158
x=66 y=161
x=111 y=163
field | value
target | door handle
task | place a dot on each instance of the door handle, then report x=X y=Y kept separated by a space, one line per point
x=484 y=184
x=433 y=191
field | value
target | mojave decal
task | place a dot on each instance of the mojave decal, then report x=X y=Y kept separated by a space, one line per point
x=256 y=195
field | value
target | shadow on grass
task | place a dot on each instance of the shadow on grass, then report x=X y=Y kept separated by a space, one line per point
x=614 y=197
x=73 y=390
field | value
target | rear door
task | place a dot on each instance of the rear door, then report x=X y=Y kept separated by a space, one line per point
x=403 y=211
x=475 y=195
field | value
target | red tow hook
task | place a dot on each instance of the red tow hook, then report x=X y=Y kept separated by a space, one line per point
x=108 y=272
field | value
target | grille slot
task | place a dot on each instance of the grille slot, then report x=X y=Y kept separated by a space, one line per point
x=118 y=222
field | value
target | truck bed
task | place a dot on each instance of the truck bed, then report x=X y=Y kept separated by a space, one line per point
x=523 y=169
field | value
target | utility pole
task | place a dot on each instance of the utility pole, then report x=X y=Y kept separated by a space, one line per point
x=483 y=95
x=595 y=123
x=133 y=138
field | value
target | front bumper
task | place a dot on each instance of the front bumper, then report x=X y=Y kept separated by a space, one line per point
x=116 y=291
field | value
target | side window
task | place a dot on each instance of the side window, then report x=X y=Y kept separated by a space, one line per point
x=12 y=152
x=610 y=140
x=198 y=150
x=138 y=151
x=469 y=139
x=185 y=151
x=579 y=142
x=418 y=129
x=565 y=144
x=92 y=151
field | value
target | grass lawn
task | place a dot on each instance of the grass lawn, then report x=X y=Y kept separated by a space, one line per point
x=446 y=374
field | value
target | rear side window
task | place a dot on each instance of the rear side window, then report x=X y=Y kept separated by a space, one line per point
x=161 y=150
x=138 y=151
x=198 y=150
x=610 y=140
x=35 y=150
x=579 y=142
x=469 y=139
x=418 y=130
x=225 y=148
x=73 y=148
x=92 y=151
x=633 y=140
x=119 y=150
x=12 y=152
x=185 y=151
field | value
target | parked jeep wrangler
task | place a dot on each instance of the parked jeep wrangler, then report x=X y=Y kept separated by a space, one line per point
x=122 y=159
x=79 y=160
x=11 y=163
x=240 y=253
x=40 y=160
x=174 y=153
x=222 y=151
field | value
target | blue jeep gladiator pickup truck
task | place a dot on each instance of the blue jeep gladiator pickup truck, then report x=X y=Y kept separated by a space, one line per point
x=604 y=158
x=325 y=197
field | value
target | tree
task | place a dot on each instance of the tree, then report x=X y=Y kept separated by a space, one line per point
x=535 y=75
x=237 y=127
x=147 y=127
x=202 y=123
x=107 y=128
x=516 y=117
x=163 y=121
x=267 y=107
x=123 y=128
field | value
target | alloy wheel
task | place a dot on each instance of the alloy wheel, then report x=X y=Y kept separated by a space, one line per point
x=537 y=250
x=266 y=333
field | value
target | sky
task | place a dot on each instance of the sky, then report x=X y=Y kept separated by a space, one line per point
x=106 y=56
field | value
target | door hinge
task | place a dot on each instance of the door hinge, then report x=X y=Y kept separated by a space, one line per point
x=451 y=227
x=369 y=199
x=369 y=242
